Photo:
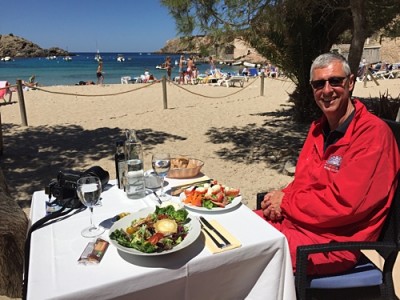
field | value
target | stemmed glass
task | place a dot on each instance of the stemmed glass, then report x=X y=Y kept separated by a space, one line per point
x=161 y=163
x=89 y=191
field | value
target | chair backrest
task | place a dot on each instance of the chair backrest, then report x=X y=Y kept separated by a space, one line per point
x=391 y=229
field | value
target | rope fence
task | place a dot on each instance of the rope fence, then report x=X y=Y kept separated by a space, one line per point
x=20 y=84
x=19 y=88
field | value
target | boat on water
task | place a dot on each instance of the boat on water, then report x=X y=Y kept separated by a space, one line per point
x=67 y=58
x=6 y=58
x=249 y=65
x=97 y=57
x=120 y=58
x=161 y=67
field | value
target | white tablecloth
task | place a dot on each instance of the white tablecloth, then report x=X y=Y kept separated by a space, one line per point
x=260 y=269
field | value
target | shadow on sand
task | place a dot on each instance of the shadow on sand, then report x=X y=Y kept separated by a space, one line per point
x=34 y=155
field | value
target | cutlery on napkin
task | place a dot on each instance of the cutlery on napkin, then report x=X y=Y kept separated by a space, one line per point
x=214 y=243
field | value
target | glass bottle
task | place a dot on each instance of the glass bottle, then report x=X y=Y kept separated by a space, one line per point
x=134 y=173
x=119 y=158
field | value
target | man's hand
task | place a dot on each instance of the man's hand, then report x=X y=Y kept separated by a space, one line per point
x=271 y=205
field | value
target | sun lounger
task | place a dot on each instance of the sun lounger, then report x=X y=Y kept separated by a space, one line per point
x=5 y=91
x=231 y=81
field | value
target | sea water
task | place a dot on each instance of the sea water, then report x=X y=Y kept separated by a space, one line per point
x=83 y=67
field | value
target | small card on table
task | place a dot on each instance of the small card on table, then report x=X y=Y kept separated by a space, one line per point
x=94 y=252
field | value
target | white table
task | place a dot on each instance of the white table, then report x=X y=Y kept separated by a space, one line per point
x=260 y=269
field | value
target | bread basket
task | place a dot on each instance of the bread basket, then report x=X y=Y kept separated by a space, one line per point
x=182 y=167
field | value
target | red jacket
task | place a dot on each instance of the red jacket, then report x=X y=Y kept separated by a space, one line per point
x=343 y=194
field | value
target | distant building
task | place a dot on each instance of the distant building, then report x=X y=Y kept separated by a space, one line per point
x=371 y=53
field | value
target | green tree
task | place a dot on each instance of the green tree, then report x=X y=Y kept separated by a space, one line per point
x=290 y=33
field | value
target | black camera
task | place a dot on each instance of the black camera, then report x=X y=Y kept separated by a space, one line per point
x=64 y=187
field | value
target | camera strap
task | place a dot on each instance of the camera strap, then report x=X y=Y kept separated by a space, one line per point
x=61 y=214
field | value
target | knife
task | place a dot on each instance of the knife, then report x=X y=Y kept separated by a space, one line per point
x=207 y=224
x=218 y=244
x=158 y=198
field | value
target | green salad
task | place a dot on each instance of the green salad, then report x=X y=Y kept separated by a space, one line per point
x=157 y=232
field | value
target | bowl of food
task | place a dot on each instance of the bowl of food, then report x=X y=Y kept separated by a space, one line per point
x=182 y=167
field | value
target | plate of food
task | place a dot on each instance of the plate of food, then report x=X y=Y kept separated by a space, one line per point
x=210 y=197
x=155 y=231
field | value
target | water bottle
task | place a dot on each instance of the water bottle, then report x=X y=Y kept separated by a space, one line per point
x=119 y=158
x=134 y=174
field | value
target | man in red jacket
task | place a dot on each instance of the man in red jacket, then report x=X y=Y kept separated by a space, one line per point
x=346 y=174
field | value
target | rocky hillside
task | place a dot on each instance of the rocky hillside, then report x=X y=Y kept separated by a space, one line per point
x=239 y=50
x=15 y=46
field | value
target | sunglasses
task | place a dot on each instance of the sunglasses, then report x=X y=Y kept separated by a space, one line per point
x=333 y=81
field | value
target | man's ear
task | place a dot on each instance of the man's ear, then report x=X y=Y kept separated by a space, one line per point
x=351 y=82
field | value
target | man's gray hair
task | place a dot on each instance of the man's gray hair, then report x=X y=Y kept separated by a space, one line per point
x=326 y=59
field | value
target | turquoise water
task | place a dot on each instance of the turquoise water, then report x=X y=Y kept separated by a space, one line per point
x=83 y=67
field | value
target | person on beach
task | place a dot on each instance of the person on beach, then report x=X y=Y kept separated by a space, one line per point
x=99 y=72
x=31 y=83
x=189 y=70
x=182 y=61
x=346 y=174
x=212 y=65
x=168 y=67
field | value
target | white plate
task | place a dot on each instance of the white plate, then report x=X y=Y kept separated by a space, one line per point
x=193 y=234
x=235 y=202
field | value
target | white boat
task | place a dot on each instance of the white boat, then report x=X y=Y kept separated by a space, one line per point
x=120 y=58
x=249 y=65
x=7 y=58
x=67 y=58
x=161 y=67
x=97 y=57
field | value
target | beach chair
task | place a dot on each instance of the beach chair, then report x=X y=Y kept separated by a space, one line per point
x=5 y=91
x=125 y=79
x=231 y=81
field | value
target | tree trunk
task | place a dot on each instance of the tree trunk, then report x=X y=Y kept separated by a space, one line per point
x=13 y=228
x=359 y=34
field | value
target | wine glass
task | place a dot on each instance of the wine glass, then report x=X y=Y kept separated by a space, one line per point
x=89 y=190
x=161 y=163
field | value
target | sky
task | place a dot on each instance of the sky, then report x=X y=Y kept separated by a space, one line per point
x=88 y=25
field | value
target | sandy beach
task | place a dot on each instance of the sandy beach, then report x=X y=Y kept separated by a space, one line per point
x=243 y=138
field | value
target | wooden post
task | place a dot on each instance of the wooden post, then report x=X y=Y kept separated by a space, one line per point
x=368 y=73
x=164 y=88
x=262 y=84
x=21 y=103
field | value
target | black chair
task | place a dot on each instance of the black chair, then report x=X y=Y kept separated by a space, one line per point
x=365 y=278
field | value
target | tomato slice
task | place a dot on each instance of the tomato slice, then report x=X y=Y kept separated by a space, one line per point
x=155 y=238
x=189 y=191
x=232 y=192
